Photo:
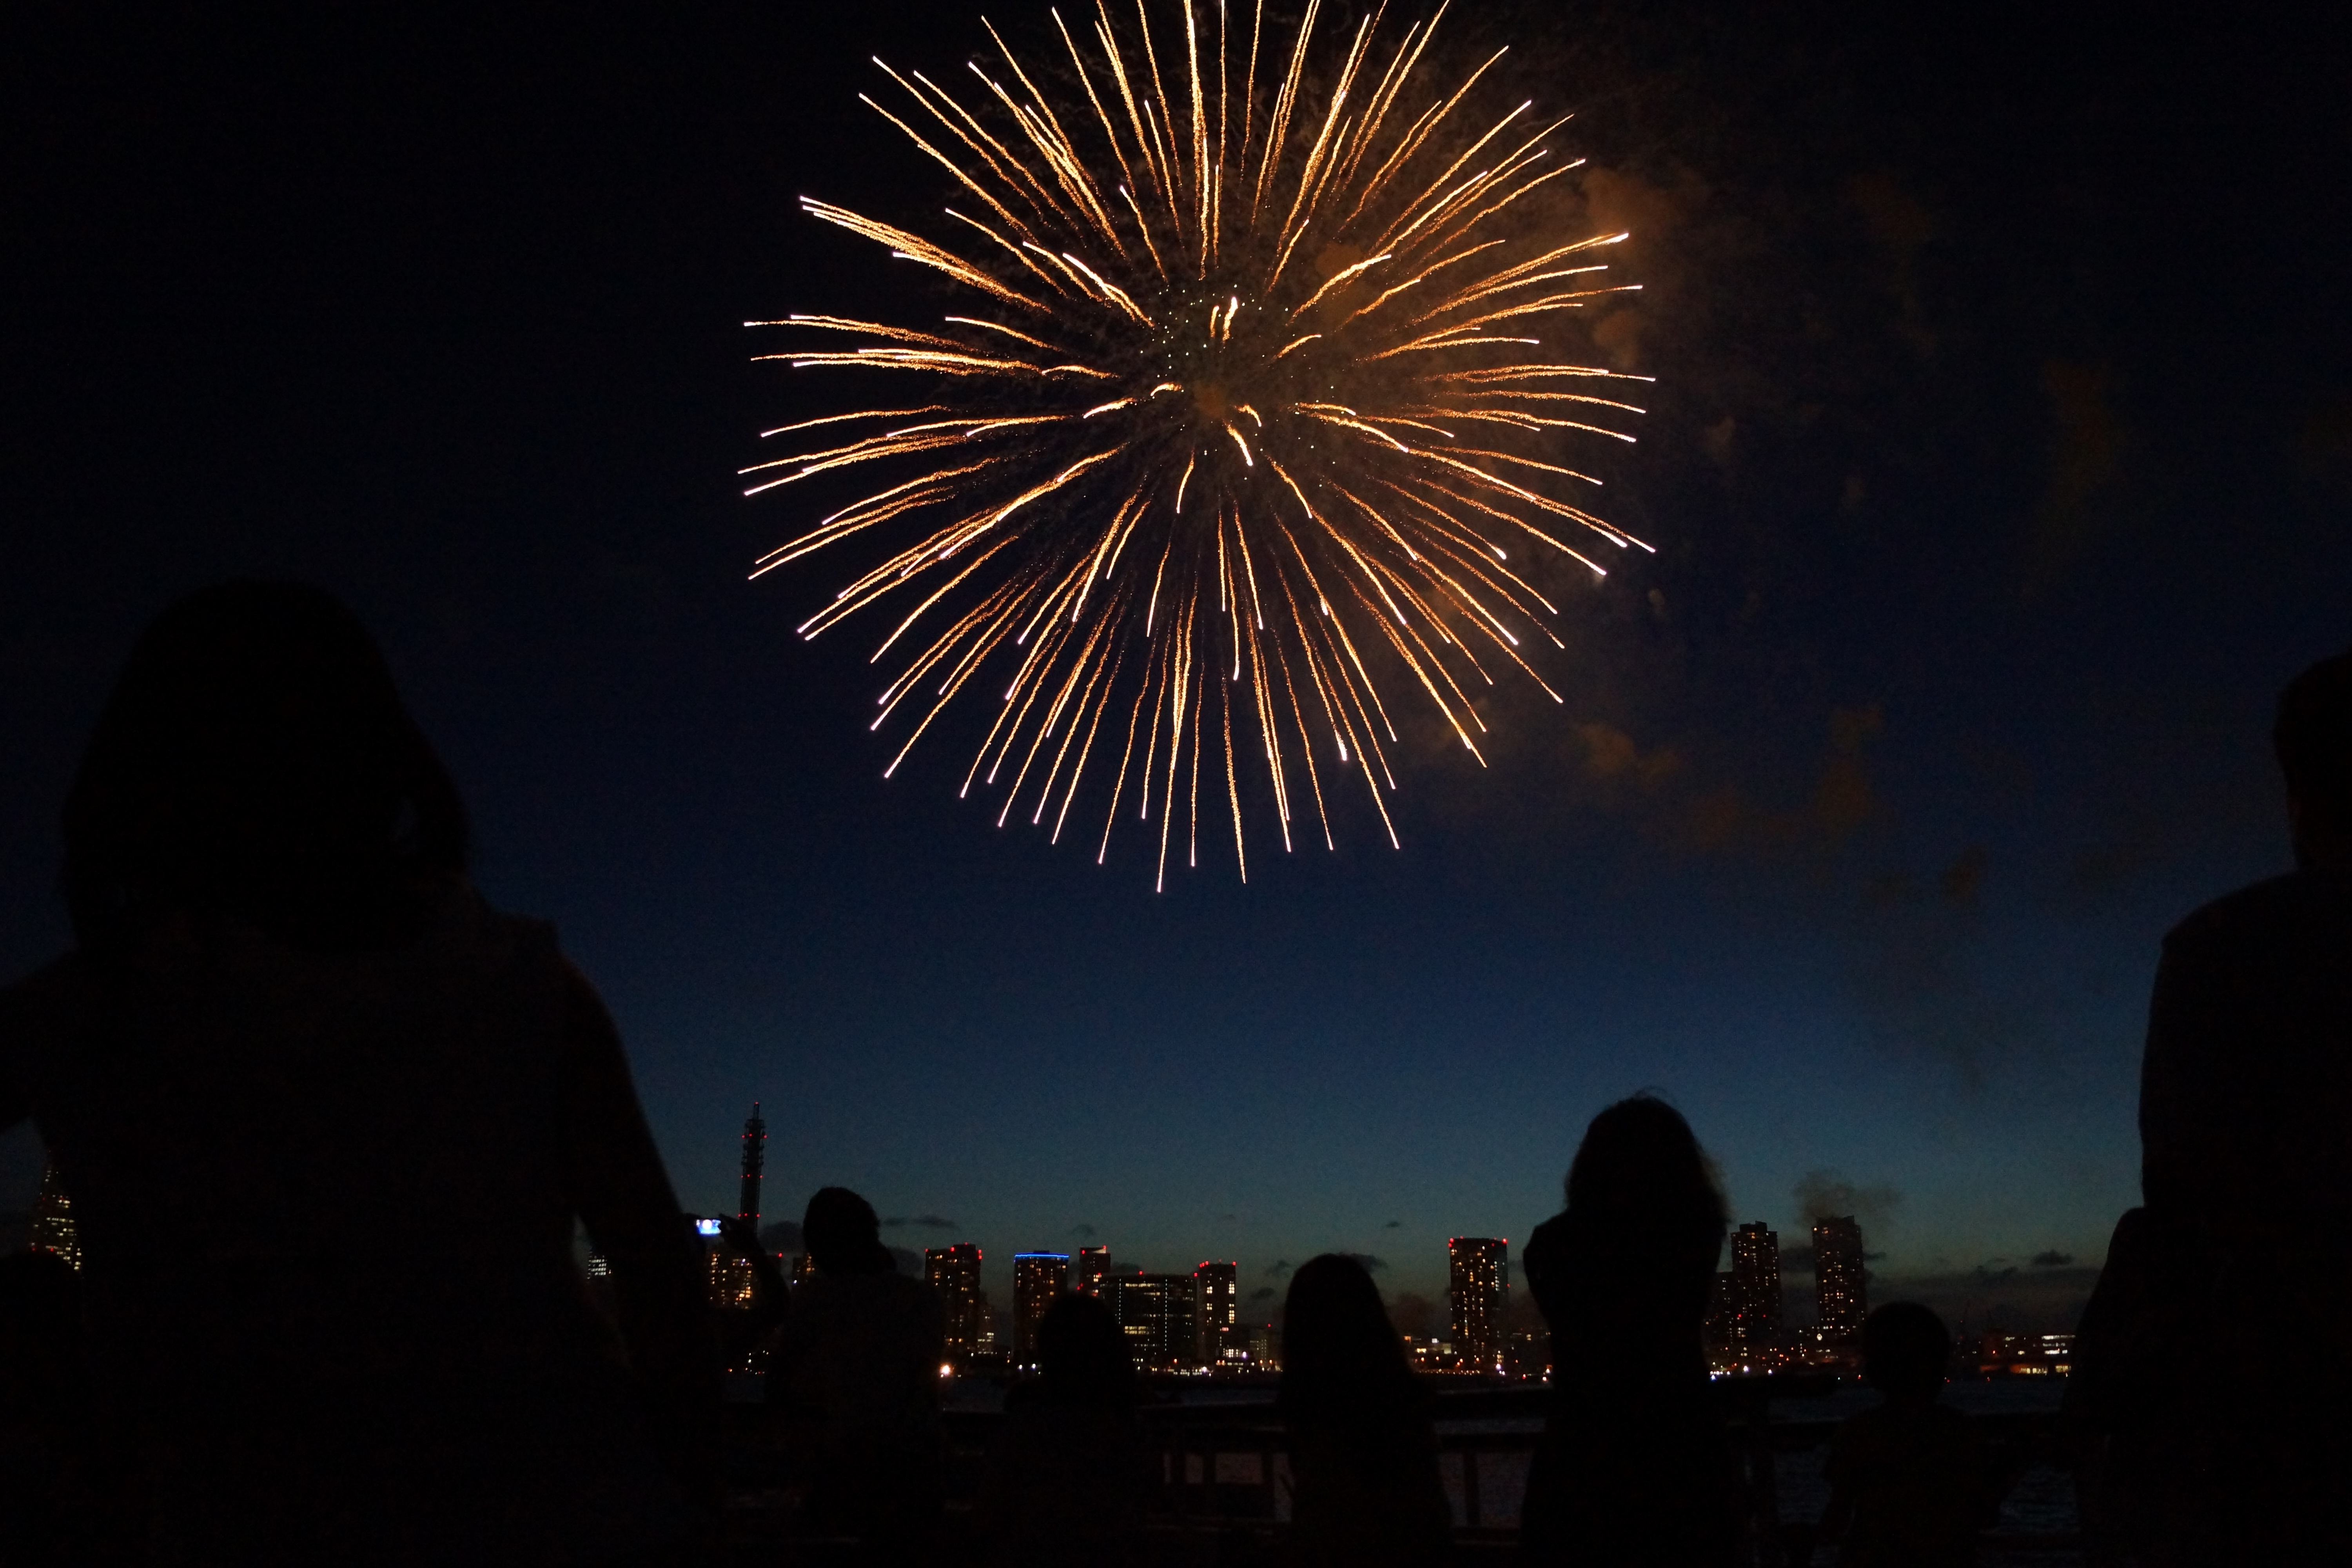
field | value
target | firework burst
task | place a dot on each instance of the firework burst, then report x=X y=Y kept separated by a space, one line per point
x=1248 y=416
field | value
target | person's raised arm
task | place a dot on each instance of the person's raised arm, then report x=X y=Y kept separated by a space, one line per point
x=614 y=1175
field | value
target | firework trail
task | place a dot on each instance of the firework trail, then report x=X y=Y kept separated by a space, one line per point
x=1246 y=406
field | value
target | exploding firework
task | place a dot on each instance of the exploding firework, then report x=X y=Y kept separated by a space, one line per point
x=1245 y=419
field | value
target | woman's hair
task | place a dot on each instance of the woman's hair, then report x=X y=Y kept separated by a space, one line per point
x=255 y=759
x=1340 y=1355
x=1640 y=1168
x=842 y=1234
x=1082 y=1356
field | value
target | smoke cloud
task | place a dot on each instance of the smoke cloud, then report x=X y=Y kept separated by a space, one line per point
x=1826 y=1194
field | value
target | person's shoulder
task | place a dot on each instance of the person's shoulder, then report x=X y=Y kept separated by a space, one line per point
x=1871 y=1431
x=1863 y=1423
x=2257 y=912
x=1553 y=1242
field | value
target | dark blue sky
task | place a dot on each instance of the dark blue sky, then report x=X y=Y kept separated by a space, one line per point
x=1999 y=462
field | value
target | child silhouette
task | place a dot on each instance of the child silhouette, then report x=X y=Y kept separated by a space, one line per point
x=1907 y=1478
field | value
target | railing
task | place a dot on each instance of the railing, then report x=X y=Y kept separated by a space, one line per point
x=1225 y=1470
x=1222 y=1472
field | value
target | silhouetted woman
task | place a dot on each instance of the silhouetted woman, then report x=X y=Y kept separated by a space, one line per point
x=328 y=1122
x=1363 y=1451
x=1064 y=1483
x=856 y=1376
x=1634 y=1466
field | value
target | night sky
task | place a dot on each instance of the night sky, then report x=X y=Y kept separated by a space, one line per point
x=2000 y=463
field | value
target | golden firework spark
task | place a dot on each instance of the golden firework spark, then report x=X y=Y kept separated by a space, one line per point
x=1248 y=406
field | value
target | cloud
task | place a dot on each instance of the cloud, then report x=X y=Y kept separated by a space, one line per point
x=1279 y=1268
x=1369 y=1264
x=1933 y=978
x=919 y=1222
x=1996 y=1295
x=908 y=1261
x=1798 y=1260
x=1228 y=1218
x=1393 y=1225
x=1413 y=1313
x=1263 y=1293
x=1964 y=877
x=1826 y=1195
x=2087 y=443
x=2054 y=1258
x=1085 y=1230
x=1682 y=799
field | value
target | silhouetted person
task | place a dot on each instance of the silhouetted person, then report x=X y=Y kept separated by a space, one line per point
x=44 y=1451
x=857 y=1367
x=2233 y=1278
x=1634 y=1466
x=329 y=1121
x=1907 y=1481
x=1064 y=1485
x=1363 y=1449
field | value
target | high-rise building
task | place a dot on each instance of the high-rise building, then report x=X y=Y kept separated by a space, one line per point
x=1841 y=1296
x=732 y=1283
x=755 y=1157
x=954 y=1273
x=1479 y=1283
x=1756 y=1285
x=53 y=1228
x=1722 y=1330
x=1094 y=1263
x=1155 y=1312
x=1039 y=1280
x=1217 y=1289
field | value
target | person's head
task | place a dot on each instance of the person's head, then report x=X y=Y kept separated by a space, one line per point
x=1905 y=1350
x=842 y=1234
x=255 y=759
x=1339 y=1352
x=1640 y=1168
x=2312 y=738
x=1082 y=1356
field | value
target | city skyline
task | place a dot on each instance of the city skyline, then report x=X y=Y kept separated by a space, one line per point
x=1423 y=1274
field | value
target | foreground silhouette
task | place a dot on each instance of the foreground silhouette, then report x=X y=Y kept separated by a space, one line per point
x=1363 y=1445
x=1907 y=1481
x=2213 y=1358
x=1066 y=1482
x=44 y=1451
x=1634 y=1466
x=855 y=1377
x=328 y=1122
